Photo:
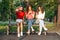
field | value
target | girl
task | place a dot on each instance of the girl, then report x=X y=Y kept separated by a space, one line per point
x=30 y=16
x=20 y=15
x=40 y=17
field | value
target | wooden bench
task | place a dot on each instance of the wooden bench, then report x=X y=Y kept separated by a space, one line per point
x=14 y=24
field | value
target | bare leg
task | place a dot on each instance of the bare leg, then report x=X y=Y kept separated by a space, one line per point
x=18 y=31
x=21 y=29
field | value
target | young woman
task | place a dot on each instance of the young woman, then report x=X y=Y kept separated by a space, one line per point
x=30 y=16
x=40 y=14
x=20 y=17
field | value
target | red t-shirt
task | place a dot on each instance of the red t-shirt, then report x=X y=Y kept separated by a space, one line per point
x=20 y=15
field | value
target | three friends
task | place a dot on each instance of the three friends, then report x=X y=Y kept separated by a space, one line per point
x=40 y=15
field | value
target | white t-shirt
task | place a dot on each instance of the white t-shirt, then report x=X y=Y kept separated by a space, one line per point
x=41 y=15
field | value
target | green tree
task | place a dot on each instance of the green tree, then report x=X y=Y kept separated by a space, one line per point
x=49 y=5
x=8 y=6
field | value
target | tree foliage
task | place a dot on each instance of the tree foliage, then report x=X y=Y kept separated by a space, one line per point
x=7 y=6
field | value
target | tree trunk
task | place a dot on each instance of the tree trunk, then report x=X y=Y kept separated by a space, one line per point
x=58 y=20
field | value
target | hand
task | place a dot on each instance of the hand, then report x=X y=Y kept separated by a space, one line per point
x=16 y=10
x=29 y=12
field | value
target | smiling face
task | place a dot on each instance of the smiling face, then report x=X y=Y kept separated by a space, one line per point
x=20 y=8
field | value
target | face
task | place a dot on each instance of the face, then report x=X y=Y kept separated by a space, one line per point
x=39 y=8
x=29 y=7
x=20 y=8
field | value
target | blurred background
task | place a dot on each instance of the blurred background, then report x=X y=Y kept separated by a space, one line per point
x=7 y=11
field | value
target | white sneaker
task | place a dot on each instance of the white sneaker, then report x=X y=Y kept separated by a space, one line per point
x=32 y=29
x=18 y=35
x=21 y=33
x=39 y=33
x=45 y=29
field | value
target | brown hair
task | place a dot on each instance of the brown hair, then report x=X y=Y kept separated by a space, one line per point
x=28 y=8
x=42 y=10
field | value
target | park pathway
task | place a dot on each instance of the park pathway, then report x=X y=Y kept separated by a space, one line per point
x=49 y=36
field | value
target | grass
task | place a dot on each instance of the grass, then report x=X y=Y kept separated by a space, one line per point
x=2 y=28
x=50 y=27
x=14 y=28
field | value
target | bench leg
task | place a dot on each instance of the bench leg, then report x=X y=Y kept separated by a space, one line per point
x=7 y=30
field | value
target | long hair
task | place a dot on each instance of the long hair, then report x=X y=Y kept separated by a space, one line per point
x=42 y=10
x=28 y=8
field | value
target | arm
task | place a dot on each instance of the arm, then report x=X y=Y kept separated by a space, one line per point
x=16 y=10
x=36 y=15
x=43 y=16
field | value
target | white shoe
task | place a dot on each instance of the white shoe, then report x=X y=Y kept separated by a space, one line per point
x=39 y=33
x=21 y=33
x=18 y=35
x=33 y=30
x=46 y=29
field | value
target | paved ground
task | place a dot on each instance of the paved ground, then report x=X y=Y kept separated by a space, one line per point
x=49 y=36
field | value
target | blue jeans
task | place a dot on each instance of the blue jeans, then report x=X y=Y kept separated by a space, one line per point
x=30 y=21
x=42 y=25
